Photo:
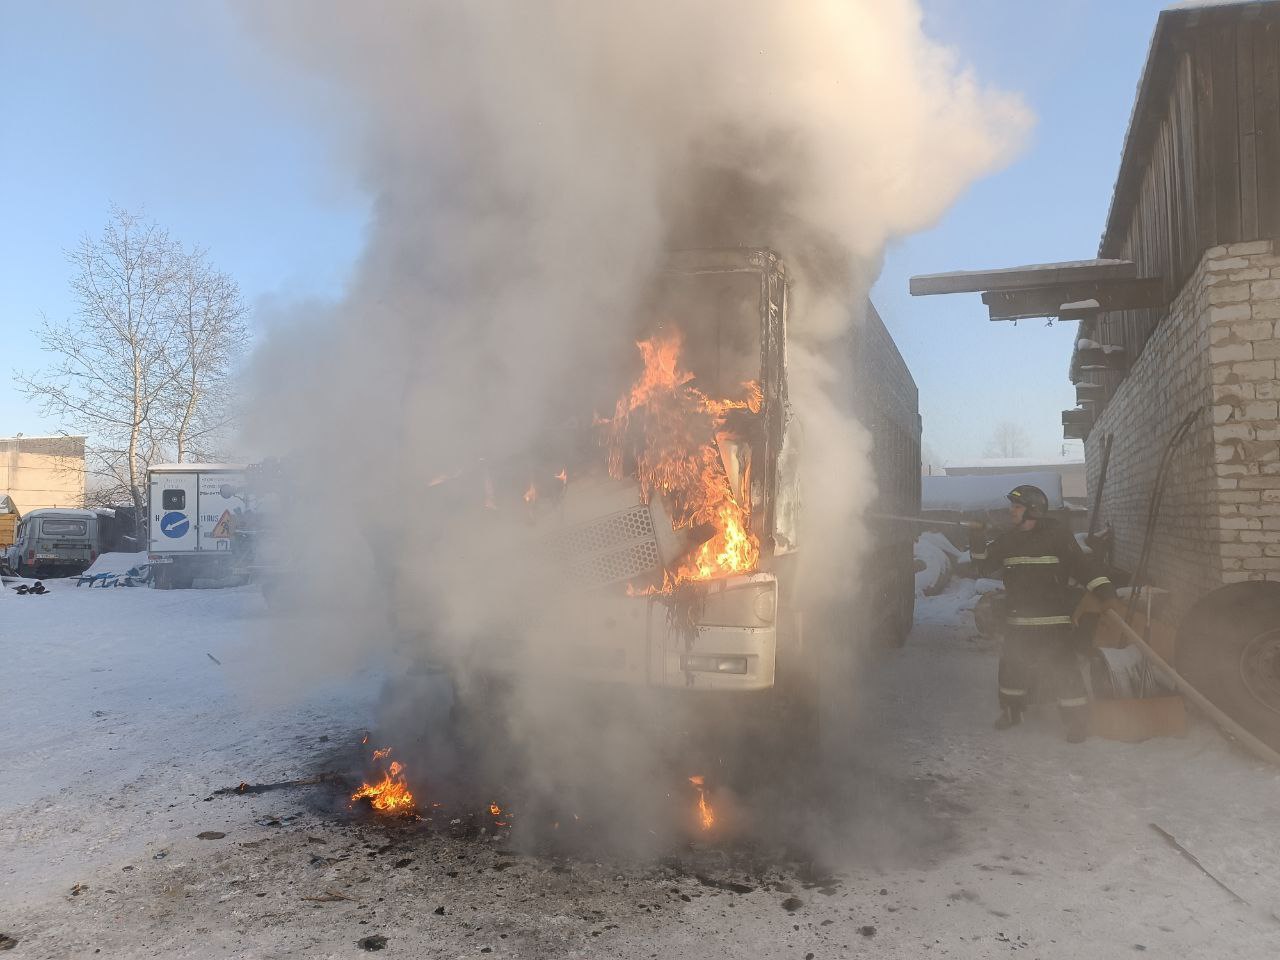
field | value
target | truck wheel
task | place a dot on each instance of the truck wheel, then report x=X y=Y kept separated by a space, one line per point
x=1229 y=650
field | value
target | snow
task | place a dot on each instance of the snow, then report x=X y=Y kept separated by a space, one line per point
x=1193 y=4
x=195 y=467
x=1065 y=266
x=125 y=709
x=998 y=462
x=979 y=493
x=936 y=564
x=1080 y=305
x=118 y=563
x=60 y=512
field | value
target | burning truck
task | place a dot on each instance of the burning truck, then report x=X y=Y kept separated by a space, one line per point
x=669 y=518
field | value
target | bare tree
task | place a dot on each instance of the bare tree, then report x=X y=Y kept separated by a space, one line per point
x=111 y=372
x=143 y=366
x=209 y=337
x=1008 y=440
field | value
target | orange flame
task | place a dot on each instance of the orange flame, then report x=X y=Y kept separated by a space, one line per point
x=706 y=814
x=672 y=431
x=531 y=494
x=495 y=810
x=563 y=475
x=391 y=794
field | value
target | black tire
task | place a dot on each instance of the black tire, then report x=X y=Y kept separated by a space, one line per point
x=1229 y=650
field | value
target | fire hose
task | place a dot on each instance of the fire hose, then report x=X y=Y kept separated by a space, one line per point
x=925 y=520
x=1176 y=680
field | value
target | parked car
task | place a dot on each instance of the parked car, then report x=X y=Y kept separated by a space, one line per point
x=54 y=542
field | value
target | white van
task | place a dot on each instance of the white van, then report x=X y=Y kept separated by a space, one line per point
x=192 y=512
x=54 y=542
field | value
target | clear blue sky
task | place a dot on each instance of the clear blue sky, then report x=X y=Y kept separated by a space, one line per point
x=165 y=108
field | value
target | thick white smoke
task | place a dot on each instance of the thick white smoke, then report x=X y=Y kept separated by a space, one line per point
x=531 y=162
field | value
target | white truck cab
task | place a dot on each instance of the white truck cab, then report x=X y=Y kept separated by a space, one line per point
x=192 y=512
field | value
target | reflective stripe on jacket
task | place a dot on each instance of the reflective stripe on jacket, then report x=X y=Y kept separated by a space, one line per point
x=1039 y=565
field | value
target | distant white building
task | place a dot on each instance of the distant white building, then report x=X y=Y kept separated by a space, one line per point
x=1074 y=483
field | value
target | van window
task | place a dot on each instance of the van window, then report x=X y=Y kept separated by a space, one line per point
x=174 y=499
x=63 y=528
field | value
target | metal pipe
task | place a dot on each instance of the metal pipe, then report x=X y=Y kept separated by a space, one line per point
x=1225 y=723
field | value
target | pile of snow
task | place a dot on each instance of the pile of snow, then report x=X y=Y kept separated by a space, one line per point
x=936 y=555
x=977 y=494
x=118 y=563
x=950 y=603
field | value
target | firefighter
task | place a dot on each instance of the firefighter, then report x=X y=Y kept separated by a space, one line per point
x=1040 y=557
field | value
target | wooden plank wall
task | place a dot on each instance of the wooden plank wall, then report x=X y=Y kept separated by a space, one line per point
x=1210 y=148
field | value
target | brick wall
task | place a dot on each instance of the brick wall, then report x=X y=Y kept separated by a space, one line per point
x=1218 y=347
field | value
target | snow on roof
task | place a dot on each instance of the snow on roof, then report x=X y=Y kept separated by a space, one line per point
x=988 y=463
x=1066 y=265
x=61 y=512
x=1090 y=304
x=193 y=467
x=970 y=494
x=46 y=436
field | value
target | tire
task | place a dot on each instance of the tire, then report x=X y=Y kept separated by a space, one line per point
x=1229 y=649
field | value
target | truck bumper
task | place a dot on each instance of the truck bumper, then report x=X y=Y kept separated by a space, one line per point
x=721 y=635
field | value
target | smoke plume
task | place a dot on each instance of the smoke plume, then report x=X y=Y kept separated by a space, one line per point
x=530 y=164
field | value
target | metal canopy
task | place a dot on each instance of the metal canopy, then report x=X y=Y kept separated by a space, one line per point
x=1074 y=290
x=1019 y=278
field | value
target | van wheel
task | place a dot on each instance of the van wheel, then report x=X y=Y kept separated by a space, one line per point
x=1229 y=650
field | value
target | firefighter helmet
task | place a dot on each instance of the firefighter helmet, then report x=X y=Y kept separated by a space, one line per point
x=1033 y=498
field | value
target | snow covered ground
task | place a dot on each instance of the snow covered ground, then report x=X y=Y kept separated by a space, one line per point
x=123 y=710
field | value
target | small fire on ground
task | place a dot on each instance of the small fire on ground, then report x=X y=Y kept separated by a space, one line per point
x=390 y=794
x=706 y=813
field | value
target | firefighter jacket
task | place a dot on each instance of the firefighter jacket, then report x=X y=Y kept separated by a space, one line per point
x=1039 y=565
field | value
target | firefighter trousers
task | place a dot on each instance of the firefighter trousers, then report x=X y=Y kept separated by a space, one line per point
x=1040 y=659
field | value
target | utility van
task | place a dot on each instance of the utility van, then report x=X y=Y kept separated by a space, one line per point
x=54 y=542
x=192 y=513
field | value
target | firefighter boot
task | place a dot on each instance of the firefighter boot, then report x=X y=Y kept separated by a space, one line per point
x=1010 y=716
x=1076 y=721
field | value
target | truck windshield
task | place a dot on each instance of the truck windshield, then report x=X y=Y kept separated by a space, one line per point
x=63 y=528
x=718 y=315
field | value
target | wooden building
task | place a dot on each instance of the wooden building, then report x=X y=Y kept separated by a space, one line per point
x=1180 y=311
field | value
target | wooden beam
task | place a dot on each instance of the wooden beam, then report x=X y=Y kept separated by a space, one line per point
x=1084 y=310
x=1016 y=278
x=1047 y=301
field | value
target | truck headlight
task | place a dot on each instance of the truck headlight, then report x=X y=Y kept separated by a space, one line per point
x=715 y=664
x=765 y=606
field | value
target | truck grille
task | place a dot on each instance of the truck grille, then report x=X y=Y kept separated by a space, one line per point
x=612 y=549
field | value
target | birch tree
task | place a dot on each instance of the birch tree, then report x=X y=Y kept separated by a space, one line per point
x=1008 y=440
x=143 y=365
x=110 y=372
x=209 y=336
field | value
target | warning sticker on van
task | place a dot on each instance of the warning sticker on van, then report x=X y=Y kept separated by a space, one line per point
x=222 y=530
